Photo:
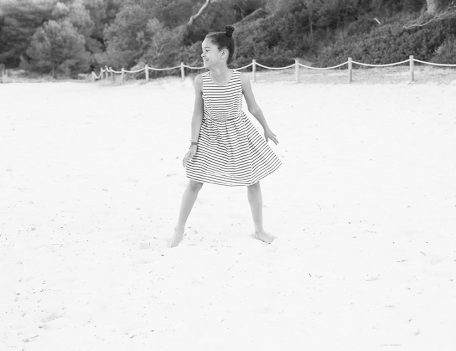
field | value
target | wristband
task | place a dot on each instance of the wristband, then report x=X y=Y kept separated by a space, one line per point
x=193 y=143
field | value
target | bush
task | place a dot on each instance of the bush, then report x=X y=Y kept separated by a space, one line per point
x=446 y=53
x=392 y=43
x=363 y=25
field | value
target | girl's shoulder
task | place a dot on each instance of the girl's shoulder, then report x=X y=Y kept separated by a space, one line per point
x=199 y=78
x=245 y=79
x=198 y=81
x=242 y=75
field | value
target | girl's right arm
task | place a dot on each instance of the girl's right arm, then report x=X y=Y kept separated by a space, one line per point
x=196 y=118
x=198 y=108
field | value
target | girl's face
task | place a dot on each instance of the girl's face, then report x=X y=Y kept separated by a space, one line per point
x=211 y=55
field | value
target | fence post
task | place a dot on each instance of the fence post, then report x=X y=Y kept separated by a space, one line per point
x=350 y=70
x=296 y=70
x=122 y=76
x=412 y=68
x=254 y=70
x=182 y=71
x=3 y=73
x=146 y=70
x=106 y=72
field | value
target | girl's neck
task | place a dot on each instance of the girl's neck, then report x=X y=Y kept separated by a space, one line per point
x=220 y=72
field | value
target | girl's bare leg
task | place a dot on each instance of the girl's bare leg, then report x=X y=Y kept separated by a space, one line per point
x=188 y=200
x=256 y=205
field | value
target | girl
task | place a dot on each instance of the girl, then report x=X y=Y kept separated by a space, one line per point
x=225 y=147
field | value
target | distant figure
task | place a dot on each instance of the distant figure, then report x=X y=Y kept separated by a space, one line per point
x=225 y=147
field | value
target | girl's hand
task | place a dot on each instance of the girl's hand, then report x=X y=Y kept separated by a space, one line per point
x=189 y=155
x=268 y=134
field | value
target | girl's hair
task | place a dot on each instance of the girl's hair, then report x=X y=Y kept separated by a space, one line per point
x=224 y=40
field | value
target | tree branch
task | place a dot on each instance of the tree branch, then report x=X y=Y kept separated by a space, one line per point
x=200 y=11
x=425 y=20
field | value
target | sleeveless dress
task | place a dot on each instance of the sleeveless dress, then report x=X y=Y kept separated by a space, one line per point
x=230 y=150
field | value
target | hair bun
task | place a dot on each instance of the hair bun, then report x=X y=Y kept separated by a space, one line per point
x=229 y=31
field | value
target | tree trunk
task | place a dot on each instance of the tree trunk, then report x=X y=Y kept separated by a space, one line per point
x=432 y=6
x=311 y=30
x=201 y=11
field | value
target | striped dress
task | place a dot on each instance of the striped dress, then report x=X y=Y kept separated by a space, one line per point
x=230 y=150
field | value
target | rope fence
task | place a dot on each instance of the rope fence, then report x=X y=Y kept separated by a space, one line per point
x=108 y=72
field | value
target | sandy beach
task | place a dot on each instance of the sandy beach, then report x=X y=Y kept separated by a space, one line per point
x=363 y=207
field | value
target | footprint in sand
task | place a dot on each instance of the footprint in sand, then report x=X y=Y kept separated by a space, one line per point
x=372 y=278
x=145 y=245
x=52 y=317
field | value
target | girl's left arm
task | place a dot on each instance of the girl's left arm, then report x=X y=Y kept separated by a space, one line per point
x=254 y=109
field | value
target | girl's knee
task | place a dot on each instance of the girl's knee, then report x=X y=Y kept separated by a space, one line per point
x=195 y=186
x=254 y=187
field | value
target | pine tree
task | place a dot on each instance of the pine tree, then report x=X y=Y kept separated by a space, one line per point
x=58 y=48
x=18 y=22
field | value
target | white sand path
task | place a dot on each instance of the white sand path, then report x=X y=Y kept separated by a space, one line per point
x=364 y=208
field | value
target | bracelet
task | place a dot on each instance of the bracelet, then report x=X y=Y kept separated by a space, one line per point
x=194 y=143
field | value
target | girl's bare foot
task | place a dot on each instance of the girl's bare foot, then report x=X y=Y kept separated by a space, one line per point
x=263 y=236
x=177 y=238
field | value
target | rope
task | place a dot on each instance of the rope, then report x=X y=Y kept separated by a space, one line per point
x=113 y=71
x=386 y=65
x=246 y=66
x=259 y=64
x=243 y=67
x=162 y=69
x=137 y=71
x=193 y=67
x=322 y=68
x=436 y=64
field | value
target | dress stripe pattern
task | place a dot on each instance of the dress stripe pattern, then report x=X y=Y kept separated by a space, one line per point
x=230 y=149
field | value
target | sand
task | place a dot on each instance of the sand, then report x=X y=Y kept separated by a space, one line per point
x=364 y=210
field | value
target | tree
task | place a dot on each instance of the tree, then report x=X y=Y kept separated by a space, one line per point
x=127 y=38
x=102 y=13
x=58 y=48
x=18 y=21
x=146 y=31
x=79 y=16
x=433 y=6
x=162 y=43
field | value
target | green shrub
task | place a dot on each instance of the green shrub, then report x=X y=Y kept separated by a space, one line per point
x=446 y=53
x=392 y=43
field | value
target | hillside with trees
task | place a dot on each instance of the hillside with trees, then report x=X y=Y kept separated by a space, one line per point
x=67 y=37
